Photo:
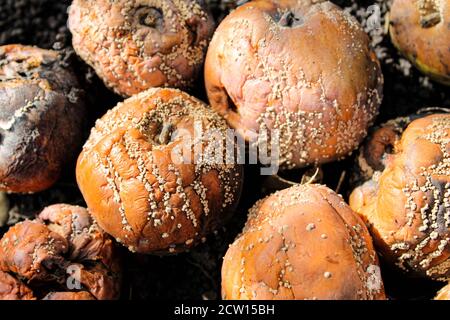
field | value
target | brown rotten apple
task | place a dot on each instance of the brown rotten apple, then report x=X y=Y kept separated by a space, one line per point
x=41 y=117
x=407 y=204
x=136 y=45
x=303 y=242
x=151 y=172
x=303 y=68
x=420 y=30
x=62 y=255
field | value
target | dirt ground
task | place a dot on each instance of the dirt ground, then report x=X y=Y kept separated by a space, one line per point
x=196 y=274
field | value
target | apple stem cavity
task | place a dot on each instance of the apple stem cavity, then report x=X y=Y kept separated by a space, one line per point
x=430 y=14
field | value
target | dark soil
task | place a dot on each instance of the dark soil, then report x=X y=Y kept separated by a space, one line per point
x=196 y=275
